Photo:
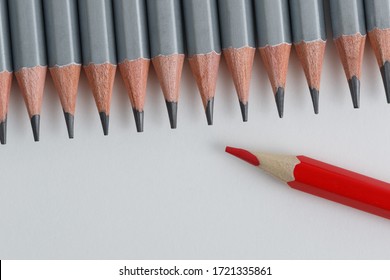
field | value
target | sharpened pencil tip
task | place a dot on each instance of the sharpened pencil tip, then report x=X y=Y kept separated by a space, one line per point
x=315 y=97
x=35 y=124
x=139 y=120
x=244 y=111
x=385 y=71
x=3 y=132
x=244 y=155
x=354 y=86
x=69 y=119
x=105 y=119
x=210 y=111
x=172 y=113
x=279 y=98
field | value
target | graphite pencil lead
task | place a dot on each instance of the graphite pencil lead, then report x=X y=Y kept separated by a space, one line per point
x=210 y=111
x=244 y=111
x=279 y=99
x=139 y=120
x=35 y=124
x=315 y=97
x=172 y=113
x=3 y=132
x=385 y=71
x=105 y=119
x=354 y=86
x=69 y=119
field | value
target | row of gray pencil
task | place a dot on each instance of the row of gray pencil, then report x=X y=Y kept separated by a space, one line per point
x=64 y=35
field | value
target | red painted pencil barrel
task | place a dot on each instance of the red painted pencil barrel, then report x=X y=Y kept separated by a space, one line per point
x=342 y=186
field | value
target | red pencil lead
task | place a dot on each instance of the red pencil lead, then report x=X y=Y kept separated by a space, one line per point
x=244 y=155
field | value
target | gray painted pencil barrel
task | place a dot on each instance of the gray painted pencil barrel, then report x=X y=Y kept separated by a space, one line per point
x=272 y=22
x=27 y=33
x=165 y=27
x=237 y=23
x=62 y=32
x=307 y=20
x=5 y=40
x=201 y=25
x=97 y=31
x=347 y=17
x=377 y=14
x=131 y=29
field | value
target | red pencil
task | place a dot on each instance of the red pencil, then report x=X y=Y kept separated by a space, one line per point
x=323 y=180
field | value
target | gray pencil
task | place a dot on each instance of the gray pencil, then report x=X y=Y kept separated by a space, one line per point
x=98 y=51
x=274 y=43
x=29 y=54
x=237 y=26
x=5 y=69
x=378 y=28
x=133 y=52
x=349 y=34
x=203 y=48
x=309 y=38
x=64 y=53
x=167 y=49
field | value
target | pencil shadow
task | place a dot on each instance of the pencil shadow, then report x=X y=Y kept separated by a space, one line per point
x=227 y=98
x=155 y=110
x=52 y=118
x=263 y=96
x=18 y=122
x=190 y=96
x=121 y=102
x=86 y=113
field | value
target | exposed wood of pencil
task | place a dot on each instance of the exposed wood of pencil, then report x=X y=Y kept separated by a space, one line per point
x=32 y=82
x=5 y=90
x=135 y=75
x=66 y=81
x=351 y=50
x=169 y=69
x=240 y=64
x=276 y=60
x=205 y=67
x=380 y=42
x=311 y=56
x=101 y=80
x=324 y=180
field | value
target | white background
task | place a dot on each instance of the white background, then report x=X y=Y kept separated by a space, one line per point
x=175 y=194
